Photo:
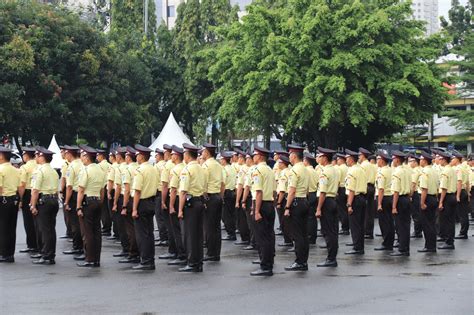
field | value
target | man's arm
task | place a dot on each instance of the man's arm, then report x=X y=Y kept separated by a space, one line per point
x=173 y=194
x=381 y=191
x=322 y=198
x=80 y=198
x=238 y=195
x=182 y=201
x=126 y=198
x=424 y=194
x=289 y=200
x=136 y=201
x=395 y=202
x=164 y=194
x=258 y=205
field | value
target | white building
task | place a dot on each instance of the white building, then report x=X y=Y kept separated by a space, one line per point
x=427 y=10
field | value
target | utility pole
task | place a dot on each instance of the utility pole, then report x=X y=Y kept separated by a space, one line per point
x=145 y=9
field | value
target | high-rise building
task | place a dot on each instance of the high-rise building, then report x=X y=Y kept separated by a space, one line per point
x=427 y=10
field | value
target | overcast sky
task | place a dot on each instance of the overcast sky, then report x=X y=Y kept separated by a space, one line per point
x=445 y=5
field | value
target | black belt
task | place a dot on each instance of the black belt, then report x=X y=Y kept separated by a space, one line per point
x=267 y=201
x=370 y=184
x=431 y=195
x=449 y=194
x=311 y=192
x=300 y=198
x=5 y=199
x=48 y=196
x=92 y=198
x=213 y=194
x=196 y=198
x=403 y=196
x=149 y=198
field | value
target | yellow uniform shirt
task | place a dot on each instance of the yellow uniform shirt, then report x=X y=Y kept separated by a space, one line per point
x=276 y=170
x=111 y=172
x=230 y=177
x=384 y=180
x=105 y=166
x=471 y=178
x=415 y=175
x=313 y=179
x=92 y=180
x=429 y=180
x=328 y=181
x=236 y=167
x=342 y=174
x=145 y=180
x=370 y=171
x=282 y=182
x=45 y=180
x=242 y=175
x=64 y=169
x=356 y=180
x=299 y=179
x=118 y=173
x=9 y=179
x=159 y=168
x=401 y=180
x=263 y=179
x=26 y=171
x=165 y=173
x=128 y=173
x=193 y=179
x=448 y=180
x=214 y=174
x=72 y=174
x=175 y=175
x=462 y=175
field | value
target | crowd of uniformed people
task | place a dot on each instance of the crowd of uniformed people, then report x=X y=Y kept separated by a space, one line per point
x=192 y=192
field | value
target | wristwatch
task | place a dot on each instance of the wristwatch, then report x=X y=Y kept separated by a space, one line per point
x=348 y=205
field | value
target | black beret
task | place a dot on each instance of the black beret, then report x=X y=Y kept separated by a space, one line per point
x=167 y=147
x=260 y=150
x=176 y=150
x=425 y=156
x=384 y=156
x=284 y=159
x=309 y=156
x=295 y=148
x=41 y=151
x=190 y=148
x=351 y=153
x=364 y=151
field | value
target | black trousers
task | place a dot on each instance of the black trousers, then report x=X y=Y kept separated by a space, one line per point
x=121 y=227
x=265 y=235
x=415 y=213
x=113 y=215
x=299 y=228
x=428 y=222
x=144 y=231
x=447 y=219
x=177 y=231
x=341 y=200
x=370 y=210
x=28 y=221
x=463 y=212
x=47 y=212
x=213 y=225
x=228 y=212
x=160 y=219
x=357 y=220
x=284 y=223
x=471 y=204
x=90 y=225
x=193 y=226
x=312 y=221
x=129 y=224
x=8 y=219
x=105 y=215
x=243 y=224
x=403 y=222
x=250 y=220
x=329 y=220
x=386 y=222
x=67 y=220
x=77 y=242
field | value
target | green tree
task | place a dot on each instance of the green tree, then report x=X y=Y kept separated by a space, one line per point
x=328 y=72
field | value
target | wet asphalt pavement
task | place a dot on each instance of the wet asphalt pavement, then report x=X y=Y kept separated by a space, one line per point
x=375 y=283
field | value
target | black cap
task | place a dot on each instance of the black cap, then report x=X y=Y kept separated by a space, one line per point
x=458 y=155
x=295 y=148
x=364 y=152
x=371 y=157
x=227 y=154
x=260 y=151
x=121 y=151
x=190 y=148
x=176 y=150
x=159 y=151
x=351 y=153
x=414 y=157
x=249 y=155
x=309 y=156
x=445 y=155
x=425 y=156
x=100 y=152
x=167 y=147
x=240 y=152
x=71 y=149
x=384 y=156
x=130 y=151
x=42 y=151
x=284 y=159
x=28 y=150
x=398 y=154
x=325 y=151
x=210 y=147
x=88 y=150
x=340 y=155
x=141 y=149
x=281 y=152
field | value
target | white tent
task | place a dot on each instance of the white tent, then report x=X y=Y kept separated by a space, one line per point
x=57 y=161
x=171 y=134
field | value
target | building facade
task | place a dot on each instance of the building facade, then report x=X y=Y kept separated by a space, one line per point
x=427 y=10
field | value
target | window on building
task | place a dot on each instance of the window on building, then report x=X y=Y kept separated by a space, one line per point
x=171 y=11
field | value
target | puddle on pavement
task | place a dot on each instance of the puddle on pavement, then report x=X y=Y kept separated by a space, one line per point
x=349 y=276
x=417 y=274
x=453 y=262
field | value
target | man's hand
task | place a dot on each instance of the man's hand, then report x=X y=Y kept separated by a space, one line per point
x=236 y=205
x=124 y=212
x=423 y=206
x=172 y=210
x=66 y=207
x=180 y=214
x=318 y=213
x=350 y=210
x=135 y=214
x=287 y=213
x=440 y=206
x=80 y=213
x=20 y=205
x=109 y=196
x=34 y=211
x=394 y=210
x=114 y=208
x=379 y=208
x=258 y=216
x=244 y=206
x=163 y=206
x=458 y=199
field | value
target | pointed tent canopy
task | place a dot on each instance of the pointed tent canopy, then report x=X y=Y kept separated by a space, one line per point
x=57 y=161
x=171 y=134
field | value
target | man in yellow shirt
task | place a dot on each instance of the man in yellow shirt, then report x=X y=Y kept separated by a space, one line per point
x=228 y=208
x=400 y=187
x=214 y=193
x=282 y=192
x=9 y=183
x=263 y=182
x=24 y=191
x=310 y=162
x=370 y=172
x=248 y=197
x=447 y=201
x=414 y=166
x=44 y=205
x=297 y=208
x=240 y=212
x=111 y=193
x=327 y=206
x=72 y=180
x=62 y=194
x=90 y=198
x=383 y=184
x=276 y=170
x=471 y=183
x=192 y=187
x=462 y=197
x=105 y=217
x=159 y=215
x=356 y=189
x=428 y=185
x=341 y=194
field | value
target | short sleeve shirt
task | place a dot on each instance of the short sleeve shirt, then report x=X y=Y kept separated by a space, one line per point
x=263 y=180
x=384 y=180
x=145 y=181
x=26 y=171
x=328 y=181
x=46 y=179
x=299 y=179
x=9 y=179
x=192 y=179
x=92 y=180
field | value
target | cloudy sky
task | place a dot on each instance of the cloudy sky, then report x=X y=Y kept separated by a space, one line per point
x=445 y=5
